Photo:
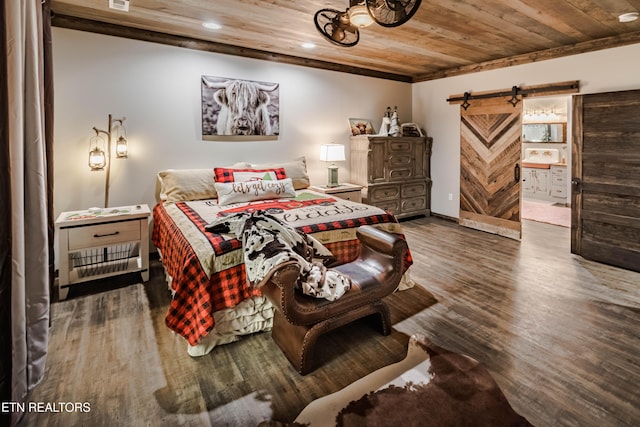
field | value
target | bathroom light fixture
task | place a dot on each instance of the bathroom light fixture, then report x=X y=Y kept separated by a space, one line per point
x=628 y=17
x=100 y=158
x=332 y=153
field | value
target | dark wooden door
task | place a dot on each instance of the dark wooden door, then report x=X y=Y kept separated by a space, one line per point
x=605 y=196
x=490 y=151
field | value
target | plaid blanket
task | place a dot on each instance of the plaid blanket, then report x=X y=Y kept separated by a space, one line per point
x=207 y=268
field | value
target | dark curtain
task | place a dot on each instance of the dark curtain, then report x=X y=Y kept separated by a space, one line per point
x=5 y=233
x=5 y=196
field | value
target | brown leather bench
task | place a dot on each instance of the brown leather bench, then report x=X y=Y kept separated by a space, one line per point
x=300 y=319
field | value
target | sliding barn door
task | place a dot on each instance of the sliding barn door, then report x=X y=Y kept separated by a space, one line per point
x=490 y=151
x=605 y=196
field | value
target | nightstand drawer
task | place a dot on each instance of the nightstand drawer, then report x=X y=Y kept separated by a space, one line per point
x=104 y=234
x=354 y=196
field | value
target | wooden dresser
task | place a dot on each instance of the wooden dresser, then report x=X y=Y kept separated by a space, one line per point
x=394 y=172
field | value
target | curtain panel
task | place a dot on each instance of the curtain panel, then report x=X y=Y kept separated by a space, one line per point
x=28 y=219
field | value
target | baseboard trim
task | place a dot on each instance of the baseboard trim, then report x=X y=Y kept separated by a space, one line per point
x=441 y=216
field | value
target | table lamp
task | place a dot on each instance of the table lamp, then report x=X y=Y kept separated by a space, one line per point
x=332 y=153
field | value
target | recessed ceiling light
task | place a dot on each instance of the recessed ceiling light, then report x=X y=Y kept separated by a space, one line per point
x=212 y=25
x=628 y=17
x=308 y=45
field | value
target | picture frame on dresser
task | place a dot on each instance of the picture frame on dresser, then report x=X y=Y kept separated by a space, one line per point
x=361 y=127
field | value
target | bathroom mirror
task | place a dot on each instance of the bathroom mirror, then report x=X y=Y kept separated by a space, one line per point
x=544 y=132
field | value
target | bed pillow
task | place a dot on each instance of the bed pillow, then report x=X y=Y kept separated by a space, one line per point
x=177 y=185
x=248 y=174
x=250 y=191
x=295 y=169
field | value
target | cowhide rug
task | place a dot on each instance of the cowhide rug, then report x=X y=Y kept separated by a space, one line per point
x=430 y=387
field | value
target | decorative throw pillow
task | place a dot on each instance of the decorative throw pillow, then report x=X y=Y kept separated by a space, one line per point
x=176 y=185
x=235 y=175
x=295 y=169
x=250 y=191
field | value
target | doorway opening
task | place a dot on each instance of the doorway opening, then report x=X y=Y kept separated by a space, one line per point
x=546 y=160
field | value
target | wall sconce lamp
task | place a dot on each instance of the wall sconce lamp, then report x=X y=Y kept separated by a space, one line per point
x=332 y=153
x=100 y=155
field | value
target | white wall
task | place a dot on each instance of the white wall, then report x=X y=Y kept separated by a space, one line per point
x=157 y=88
x=601 y=71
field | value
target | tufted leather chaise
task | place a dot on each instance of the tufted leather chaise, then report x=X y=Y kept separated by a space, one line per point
x=300 y=319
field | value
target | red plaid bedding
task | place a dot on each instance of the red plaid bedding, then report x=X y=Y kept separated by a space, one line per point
x=207 y=277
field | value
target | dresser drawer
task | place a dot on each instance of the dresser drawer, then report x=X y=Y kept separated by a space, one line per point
x=104 y=234
x=400 y=159
x=392 y=206
x=400 y=174
x=557 y=179
x=398 y=146
x=414 y=189
x=383 y=192
x=414 y=204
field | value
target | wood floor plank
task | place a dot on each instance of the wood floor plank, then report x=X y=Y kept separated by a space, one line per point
x=558 y=333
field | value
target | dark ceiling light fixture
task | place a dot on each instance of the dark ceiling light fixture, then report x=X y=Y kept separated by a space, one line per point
x=342 y=27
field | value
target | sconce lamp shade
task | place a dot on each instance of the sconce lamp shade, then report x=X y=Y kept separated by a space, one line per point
x=121 y=148
x=97 y=159
x=332 y=152
x=359 y=15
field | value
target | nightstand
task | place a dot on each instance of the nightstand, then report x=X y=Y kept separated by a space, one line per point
x=93 y=244
x=344 y=191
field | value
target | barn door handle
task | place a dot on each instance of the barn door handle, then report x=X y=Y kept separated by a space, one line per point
x=516 y=173
x=577 y=185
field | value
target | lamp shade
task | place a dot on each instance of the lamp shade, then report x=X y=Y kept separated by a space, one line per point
x=332 y=152
x=359 y=16
x=121 y=148
x=97 y=159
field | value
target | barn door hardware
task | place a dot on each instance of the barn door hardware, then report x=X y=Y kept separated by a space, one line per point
x=516 y=173
x=516 y=93
x=514 y=96
x=466 y=104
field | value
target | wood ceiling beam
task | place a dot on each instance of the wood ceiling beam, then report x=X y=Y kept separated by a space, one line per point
x=81 y=24
x=558 y=52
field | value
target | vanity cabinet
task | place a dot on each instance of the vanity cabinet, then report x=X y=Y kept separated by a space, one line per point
x=559 y=181
x=535 y=182
x=548 y=184
x=394 y=172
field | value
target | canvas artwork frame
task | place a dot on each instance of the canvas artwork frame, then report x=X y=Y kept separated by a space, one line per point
x=361 y=127
x=236 y=109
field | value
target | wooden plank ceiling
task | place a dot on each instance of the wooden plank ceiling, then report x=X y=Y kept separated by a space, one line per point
x=444 y=38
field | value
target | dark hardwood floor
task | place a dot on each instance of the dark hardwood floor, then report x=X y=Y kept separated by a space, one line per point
x=559 y=334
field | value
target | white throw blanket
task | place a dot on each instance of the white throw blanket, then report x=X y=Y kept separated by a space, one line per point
x=267 y=242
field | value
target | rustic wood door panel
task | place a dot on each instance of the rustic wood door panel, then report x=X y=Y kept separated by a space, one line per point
x=605 y=224
x=490 y=150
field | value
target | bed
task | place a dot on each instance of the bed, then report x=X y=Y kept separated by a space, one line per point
x=211 y=302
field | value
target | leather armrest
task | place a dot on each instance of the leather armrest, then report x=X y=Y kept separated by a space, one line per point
x=379 y=240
